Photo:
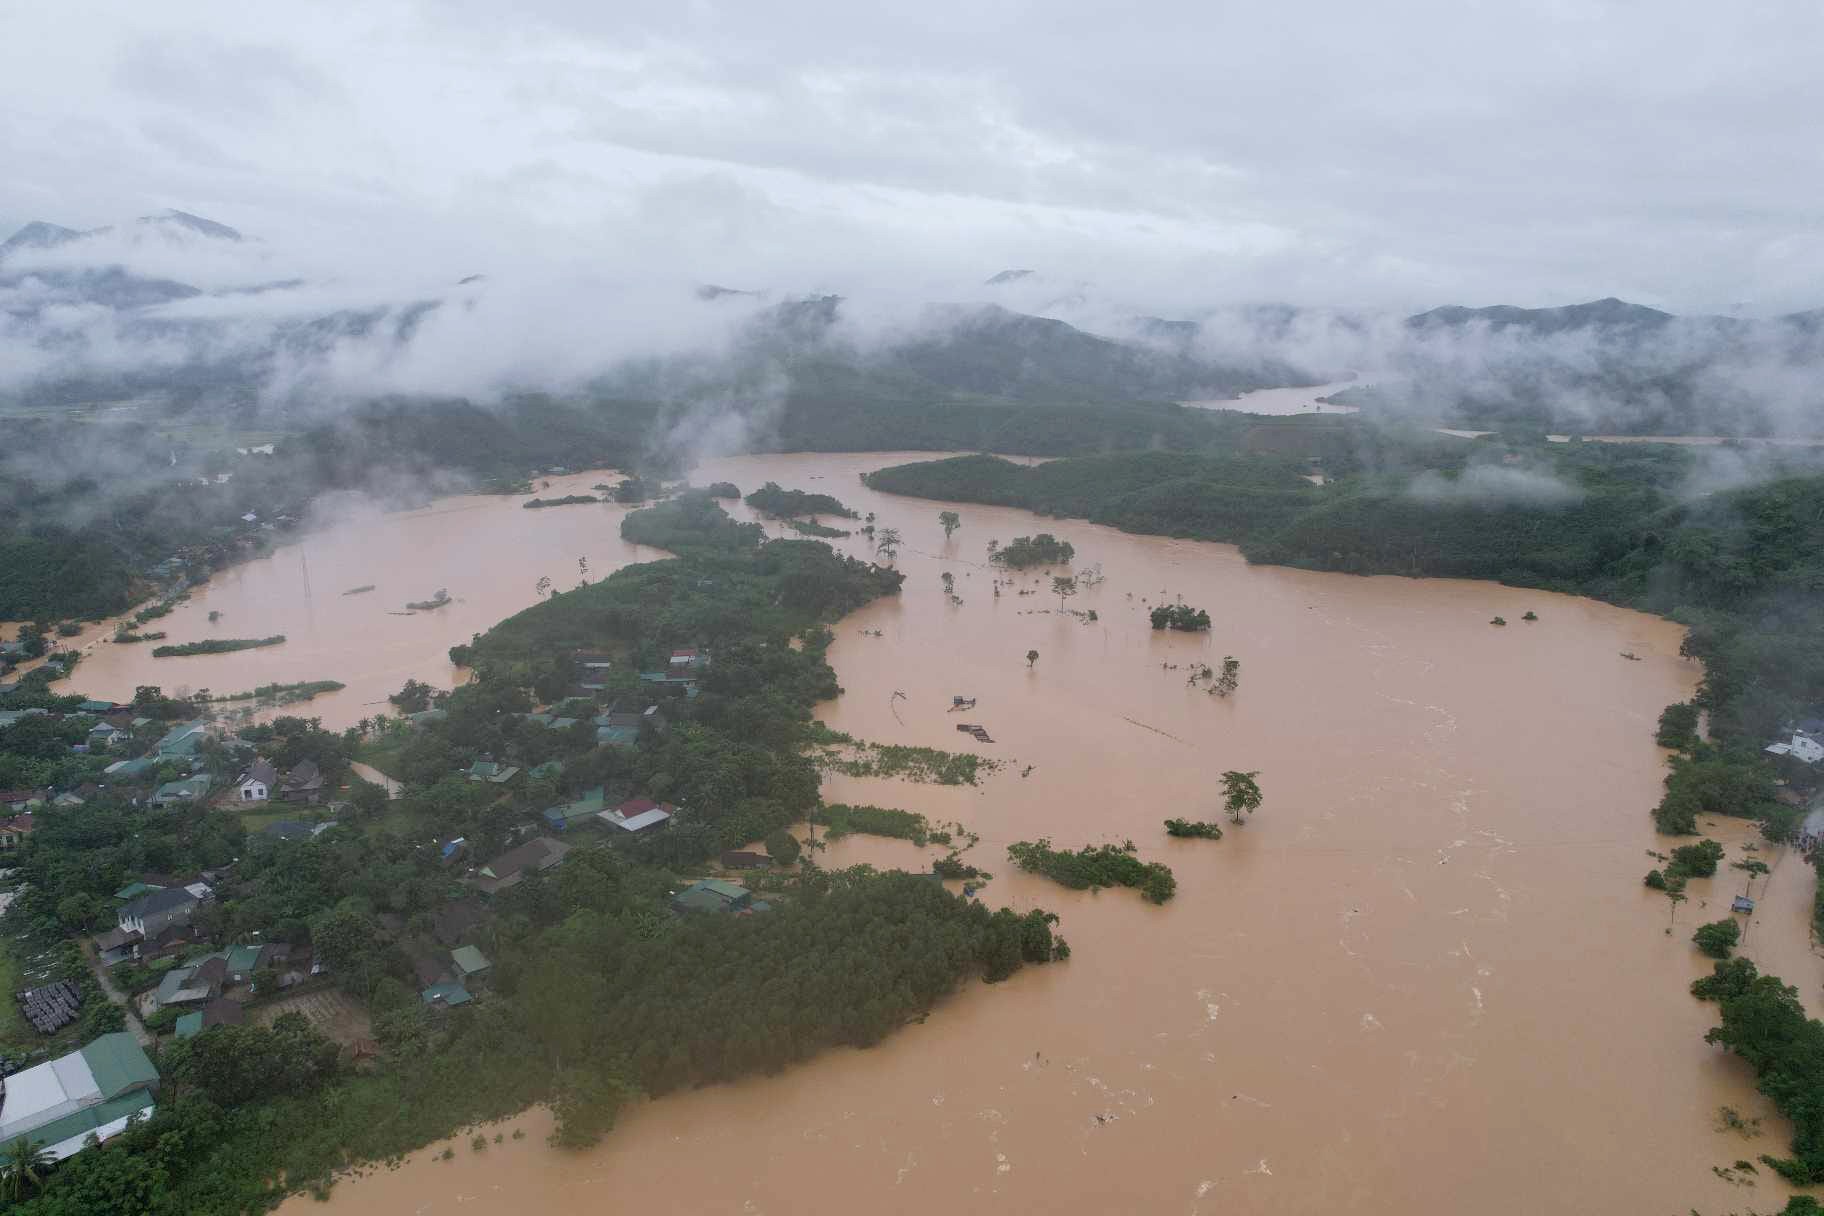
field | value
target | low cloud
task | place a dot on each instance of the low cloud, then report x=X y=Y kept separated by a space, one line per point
x=1494 y=485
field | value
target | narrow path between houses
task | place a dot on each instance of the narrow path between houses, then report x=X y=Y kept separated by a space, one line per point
x=145 y=1037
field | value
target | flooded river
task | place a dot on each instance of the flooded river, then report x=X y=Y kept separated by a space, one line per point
x=1425 y=978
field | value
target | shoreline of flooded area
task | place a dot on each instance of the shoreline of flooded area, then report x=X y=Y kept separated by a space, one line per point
x=1424 y=978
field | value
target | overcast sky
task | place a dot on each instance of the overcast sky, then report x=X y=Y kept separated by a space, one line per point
x=1402 y=153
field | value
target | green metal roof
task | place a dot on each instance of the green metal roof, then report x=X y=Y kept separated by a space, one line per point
x=469 y=960
x=242 y=958
x=190 y=1024
x=119 y=1064
x=91 y=1117
x=134 y=890
x=450 y=994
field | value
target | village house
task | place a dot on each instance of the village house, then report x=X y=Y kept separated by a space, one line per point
x=181 y=742
x=734 y=859
x=586 y=804
x=712 y=895
x=104 y=736
x=256 y=784
x=638 y=815
x=487 y=770
x=1805 y=746
x=15 y=831
x=192 y=983
x=190 y=789
x=471 y=967
x=591 y=670
x=446 y=996
x=149 y=914
x=511 y=867
x=93 y=1092
x=219 y=1012
x=302 y=784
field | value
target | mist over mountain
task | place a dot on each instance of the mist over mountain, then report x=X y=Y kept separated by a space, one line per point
x=184 y=310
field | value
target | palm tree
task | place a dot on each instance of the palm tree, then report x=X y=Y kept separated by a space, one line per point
x=22 y=1167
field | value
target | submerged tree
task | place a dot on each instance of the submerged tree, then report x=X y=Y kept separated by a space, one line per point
x=1032 y=656
x=1063 y=588
x=1240 y=792
x=1230 y=679
x=886 y=544
x=951 y=521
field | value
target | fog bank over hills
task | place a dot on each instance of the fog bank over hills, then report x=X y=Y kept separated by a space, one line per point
x=188 y=312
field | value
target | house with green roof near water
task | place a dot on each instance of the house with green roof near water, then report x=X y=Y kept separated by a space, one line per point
x=181 y=741
x=91 y=1092
x=712 y=895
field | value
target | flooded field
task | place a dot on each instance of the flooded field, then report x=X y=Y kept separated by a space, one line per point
x=487 y=551
x=1425 y=978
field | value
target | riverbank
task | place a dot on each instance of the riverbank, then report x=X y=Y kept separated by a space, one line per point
x=1424 y=978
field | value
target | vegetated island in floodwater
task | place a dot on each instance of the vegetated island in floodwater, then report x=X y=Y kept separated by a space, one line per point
x=158 y=636
x=722 y=489
x=361 y=590
x=285 y=694
x=1181 y=617
x=1041 y=550
x=859 y=758
x=215 y=646
x=1194 y=829
x=568 y=500
x=772 y=499
x=436 y=601
x=1095 y=866
x=813 y=528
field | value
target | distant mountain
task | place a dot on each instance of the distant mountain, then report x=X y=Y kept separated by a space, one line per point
x=1605 y=314
x=38 y=235
x=1006 y=276
x=1607 y=366
x=183 y=221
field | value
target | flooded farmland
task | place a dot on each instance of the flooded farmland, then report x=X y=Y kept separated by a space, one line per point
x=1424 y=978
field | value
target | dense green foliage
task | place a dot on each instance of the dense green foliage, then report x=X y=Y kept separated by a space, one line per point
x=722 y=489
x=1181 y=617
x=283 y=694
x=689 y=522
x=215 y=646
x=1764 y=1022
x=1041 y=550
x=843 y=819
x=1095 y=866
x=1695 y=860
x=780 y=503
x=1678 y=726
x=1193 y=829
x=1718 y=938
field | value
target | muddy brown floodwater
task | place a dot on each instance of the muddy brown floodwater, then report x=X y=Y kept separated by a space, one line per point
x=485 y=550
x=1425 y=978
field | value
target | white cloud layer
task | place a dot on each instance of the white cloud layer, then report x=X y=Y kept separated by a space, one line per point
x=1177 y=155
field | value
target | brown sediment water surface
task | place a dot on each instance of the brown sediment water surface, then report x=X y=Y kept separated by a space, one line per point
x=1424 y=978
